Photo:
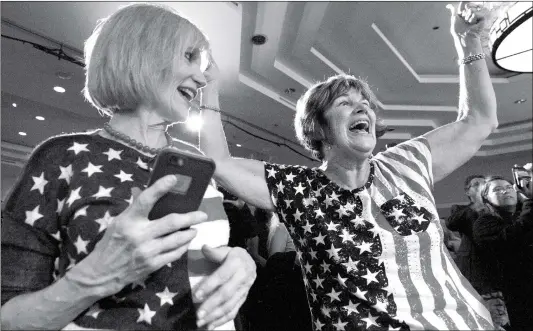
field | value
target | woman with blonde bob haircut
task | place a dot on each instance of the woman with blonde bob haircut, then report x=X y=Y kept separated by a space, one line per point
x=78 y=249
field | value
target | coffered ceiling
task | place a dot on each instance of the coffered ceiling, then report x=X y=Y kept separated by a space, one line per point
x=403 y=49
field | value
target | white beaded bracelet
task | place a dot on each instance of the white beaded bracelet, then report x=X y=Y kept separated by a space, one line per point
x=472 y=58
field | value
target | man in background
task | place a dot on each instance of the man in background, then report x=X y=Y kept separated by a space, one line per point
x=461 y=219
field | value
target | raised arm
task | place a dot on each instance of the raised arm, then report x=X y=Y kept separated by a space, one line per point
x=455 y=143
x=242 y=177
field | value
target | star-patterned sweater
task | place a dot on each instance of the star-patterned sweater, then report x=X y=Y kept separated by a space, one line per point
x=373 y=258
x=67 y=195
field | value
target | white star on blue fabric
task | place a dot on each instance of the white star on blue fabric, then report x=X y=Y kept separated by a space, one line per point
x=103 y=192
x=81 y=212
x=124 y=177
x=78 y=148
x=113 y=154
x=66 y=173
x=299 y=189
x=145 y=315
x=92 y=169
x=74 y=195
x=166 y=296
x=39 y=183
x=32 y=216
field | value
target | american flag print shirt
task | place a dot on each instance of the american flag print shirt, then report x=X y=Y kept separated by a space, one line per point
x=68 y=194
x=373 y=258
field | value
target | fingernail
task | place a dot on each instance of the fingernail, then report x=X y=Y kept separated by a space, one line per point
x=201 y=313
x=200 y=295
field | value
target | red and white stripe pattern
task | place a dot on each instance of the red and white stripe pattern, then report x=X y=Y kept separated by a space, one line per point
x=441 y=297
x=374 y=257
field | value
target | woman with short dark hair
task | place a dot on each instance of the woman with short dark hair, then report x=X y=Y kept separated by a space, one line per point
x=365 y=227
x=504 y=235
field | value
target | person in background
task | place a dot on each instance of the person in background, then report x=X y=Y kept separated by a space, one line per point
x=452 y=239
x=367 y=231
x=277 y=300
x=277 y=238
x=78 y=249
x=504 y=234
x=242 y=222
x=462 y=219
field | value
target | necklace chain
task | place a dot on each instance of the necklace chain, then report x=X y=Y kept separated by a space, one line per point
x=132 y=142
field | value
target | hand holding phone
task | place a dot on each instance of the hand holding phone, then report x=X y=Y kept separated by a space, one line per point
x=194 y=172
x=522 y=179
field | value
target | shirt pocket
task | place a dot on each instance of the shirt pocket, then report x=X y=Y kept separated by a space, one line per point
x=405 y=215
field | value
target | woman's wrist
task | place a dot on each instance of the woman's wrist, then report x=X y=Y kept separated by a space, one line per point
x=83 y=278
x=468 y=45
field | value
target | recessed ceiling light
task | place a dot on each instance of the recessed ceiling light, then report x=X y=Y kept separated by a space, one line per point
x=22 y=133
x=289 y=90
x=40 y=118
x=238 y=145
x=63 y=75
x=59 y=89
x=259 y=39
x=14 y=105
x=520 y=101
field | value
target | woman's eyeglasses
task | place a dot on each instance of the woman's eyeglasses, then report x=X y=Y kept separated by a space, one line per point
x=502 y=190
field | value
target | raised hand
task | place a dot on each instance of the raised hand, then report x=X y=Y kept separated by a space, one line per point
x=467 y=20
x=133 y=247
x=527 y=187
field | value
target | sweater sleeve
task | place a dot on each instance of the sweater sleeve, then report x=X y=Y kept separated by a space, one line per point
x=489 y=229
x=30 y=227
x=453 y=222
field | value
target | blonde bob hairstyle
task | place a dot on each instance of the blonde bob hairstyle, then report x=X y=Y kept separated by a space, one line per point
x=133 y=53
x=310 y=123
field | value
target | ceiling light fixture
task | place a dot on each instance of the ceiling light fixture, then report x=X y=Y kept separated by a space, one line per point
x=511 y=38
x=22 y=133
x=59 y=89
x=14 y=105
x=40 y=118
x=238 y=145
x=520 y=101
x=195 y=122
x=259 y=39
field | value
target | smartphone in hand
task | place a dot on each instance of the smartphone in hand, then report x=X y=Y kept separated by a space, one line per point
x=519 y=174
x=194 y=172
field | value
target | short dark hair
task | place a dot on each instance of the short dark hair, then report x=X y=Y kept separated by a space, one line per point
x=310 y=122
x=469 y=179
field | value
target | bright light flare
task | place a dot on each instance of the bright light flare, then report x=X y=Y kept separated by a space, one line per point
x=195 y=122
